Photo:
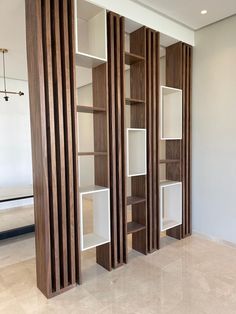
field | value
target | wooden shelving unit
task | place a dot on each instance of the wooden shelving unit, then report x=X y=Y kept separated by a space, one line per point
x=92 y=110
x=136 y=145
x=171 y=133
x=91 y=34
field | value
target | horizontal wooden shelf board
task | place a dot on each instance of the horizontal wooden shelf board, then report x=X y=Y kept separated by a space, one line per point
x=92 y=240
x=88 y=109
x=133 y=101
x=132 y=200
x=92 y=154
x=88 y=60
x=133 y=227
x=169 y=161
x=164 y=183
x=132 y=58
x=92 y=189
x=168 y=224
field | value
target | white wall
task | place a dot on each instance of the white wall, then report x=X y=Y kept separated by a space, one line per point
x=15 y=140
x=214 y=131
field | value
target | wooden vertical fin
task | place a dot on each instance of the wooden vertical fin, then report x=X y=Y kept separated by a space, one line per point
x=51 y=66
x=152 y=98
x=116 y=138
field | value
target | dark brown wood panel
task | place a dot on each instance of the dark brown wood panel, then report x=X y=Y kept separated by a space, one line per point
x=116 y=137
x=51 y=66
x=152 y=98
x=100 y=101
x=178 y=75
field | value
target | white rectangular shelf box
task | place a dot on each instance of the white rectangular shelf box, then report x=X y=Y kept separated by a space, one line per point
x=136 y=152
x=91 y=34
x=100 y=220
x=171 y=113
x=170 y=204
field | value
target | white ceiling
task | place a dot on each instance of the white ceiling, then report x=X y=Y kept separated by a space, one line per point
x=188 y=12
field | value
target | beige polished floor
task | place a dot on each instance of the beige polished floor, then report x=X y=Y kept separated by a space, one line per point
x=191 y=276
x=16 y=217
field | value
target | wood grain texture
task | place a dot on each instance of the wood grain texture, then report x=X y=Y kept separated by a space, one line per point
x=178 y=75
x=116 y=137
x=152 y=98
x=51 y=66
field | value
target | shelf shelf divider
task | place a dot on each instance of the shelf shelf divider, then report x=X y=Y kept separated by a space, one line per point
x=132 y=200
x=88 y=109
x=92 y=154
x=133 y=227
x=132 y=58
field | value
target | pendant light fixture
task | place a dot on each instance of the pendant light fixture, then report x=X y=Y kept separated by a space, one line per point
x=5 y=91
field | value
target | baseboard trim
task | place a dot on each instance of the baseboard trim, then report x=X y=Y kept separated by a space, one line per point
x=214 y=239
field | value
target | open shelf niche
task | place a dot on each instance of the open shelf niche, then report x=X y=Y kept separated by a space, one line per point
x=136 y=152
x=95 y=227
x=170 y=204
x=136 y=146
x=93 y=154
x=171 y=113
x=91 y=34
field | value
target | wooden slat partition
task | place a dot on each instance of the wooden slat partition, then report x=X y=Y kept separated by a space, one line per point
x=152 y=100
x=115 y=25
x=178 y=75
x=51 y=70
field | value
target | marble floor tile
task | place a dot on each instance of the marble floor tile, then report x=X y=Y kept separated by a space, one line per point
x=192 y=276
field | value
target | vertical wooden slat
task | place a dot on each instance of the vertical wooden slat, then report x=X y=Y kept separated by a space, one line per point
x=116 y=120
x=39 y=144
x=119 y=131
x=152 y=81
x=51 y=67
x=183 y=160
x=51 y=144
x=123 y=141
x=112 y=135
x=189 y=132
x=73 y=101
x=68 y=139
x=149 y=135
x=156 y=142
x=59 y=118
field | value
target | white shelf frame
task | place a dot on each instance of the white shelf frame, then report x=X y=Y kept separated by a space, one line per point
x=171 y=90
x=89 y=59
x=136 y=152
x=102 y=233
x=175 y=217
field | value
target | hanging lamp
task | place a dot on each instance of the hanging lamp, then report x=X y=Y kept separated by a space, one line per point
x=5 y=91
